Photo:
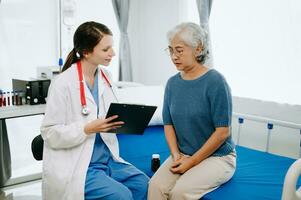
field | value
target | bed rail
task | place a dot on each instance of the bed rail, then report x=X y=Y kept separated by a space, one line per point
x=270 y=125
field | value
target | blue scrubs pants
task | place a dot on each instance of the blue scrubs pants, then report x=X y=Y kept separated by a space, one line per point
x=110 y=180
x=115 y=181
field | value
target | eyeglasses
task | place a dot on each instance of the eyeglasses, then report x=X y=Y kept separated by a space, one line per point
x=177 y=52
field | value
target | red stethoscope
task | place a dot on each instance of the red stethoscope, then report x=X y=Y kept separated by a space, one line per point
x=85 y=109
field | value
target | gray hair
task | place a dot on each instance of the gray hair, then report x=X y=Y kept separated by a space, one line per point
x=193 y=35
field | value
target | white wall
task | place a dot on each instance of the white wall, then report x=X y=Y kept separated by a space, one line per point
x=29 y=35
x=257 y=46
x=28 y=38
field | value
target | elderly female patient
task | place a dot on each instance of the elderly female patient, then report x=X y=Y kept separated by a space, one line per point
x=197 y=118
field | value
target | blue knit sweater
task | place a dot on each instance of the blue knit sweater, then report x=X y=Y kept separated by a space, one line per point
x=195 y=108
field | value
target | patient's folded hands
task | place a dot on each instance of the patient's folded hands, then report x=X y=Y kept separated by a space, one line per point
x=181 y=165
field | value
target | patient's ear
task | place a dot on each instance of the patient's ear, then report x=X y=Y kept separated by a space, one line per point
x=198 y=50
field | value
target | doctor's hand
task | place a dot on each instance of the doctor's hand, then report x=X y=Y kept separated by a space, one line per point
x=102 y=125
x=181 y=165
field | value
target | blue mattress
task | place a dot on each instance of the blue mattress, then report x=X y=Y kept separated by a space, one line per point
x=259 y=175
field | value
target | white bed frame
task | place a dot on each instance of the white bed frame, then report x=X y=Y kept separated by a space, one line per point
x=289 y=191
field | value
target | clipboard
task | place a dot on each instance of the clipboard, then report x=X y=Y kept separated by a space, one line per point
x=135 y=117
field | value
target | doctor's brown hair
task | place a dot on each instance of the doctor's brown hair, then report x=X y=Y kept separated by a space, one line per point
x=85 y=38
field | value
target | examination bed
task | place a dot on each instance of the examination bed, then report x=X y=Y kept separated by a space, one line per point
x=259 y=175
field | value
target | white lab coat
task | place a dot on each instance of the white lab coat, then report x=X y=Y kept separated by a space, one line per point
x=67 y=149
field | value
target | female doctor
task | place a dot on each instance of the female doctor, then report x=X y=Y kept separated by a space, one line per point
x=81 y=159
